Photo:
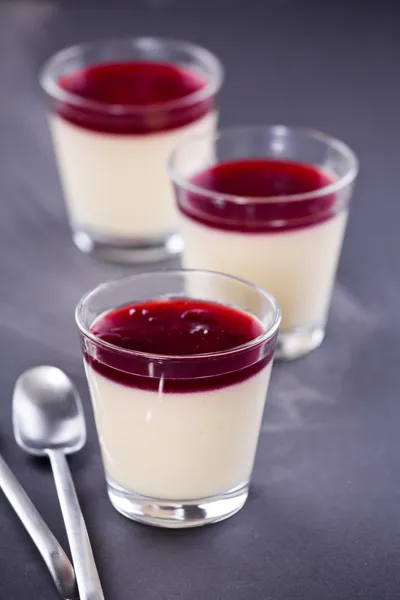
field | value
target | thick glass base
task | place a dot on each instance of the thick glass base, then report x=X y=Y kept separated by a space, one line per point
x=122 y=250
x=299 y=342
x=177 y=514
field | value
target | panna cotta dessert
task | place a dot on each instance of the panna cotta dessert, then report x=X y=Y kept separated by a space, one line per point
x=279 y=222
x=178 y=386
x=118 y=109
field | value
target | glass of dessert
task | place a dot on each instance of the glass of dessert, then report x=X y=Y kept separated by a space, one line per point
x=178 y=365
x=117 y=108
x=269 y=204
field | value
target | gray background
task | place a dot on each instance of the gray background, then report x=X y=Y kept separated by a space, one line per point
x=323 y=517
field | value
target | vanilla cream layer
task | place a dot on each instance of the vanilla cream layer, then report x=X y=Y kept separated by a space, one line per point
x=298 y=266
x=117 y=185
x=178 y=446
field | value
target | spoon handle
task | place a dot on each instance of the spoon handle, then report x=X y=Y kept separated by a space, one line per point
x=53 y=555
x=87 y=577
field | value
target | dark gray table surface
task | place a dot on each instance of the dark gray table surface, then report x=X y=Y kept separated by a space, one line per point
x=323 y=519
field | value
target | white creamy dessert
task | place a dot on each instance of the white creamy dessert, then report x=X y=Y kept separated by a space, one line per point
x=178 y=446
x=277 y=223
x=166 y=432
x=296 y=266
x=178 y=386
x=117 y=186
x=118 y=108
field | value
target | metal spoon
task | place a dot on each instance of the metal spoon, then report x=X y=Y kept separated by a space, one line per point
x=48 y=419
x=53 y=555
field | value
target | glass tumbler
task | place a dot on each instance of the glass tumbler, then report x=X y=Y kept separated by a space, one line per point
x=116 y=109
x=178 y=432
x=269 y=204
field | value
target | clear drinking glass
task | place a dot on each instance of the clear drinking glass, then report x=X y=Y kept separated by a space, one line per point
x=112 y=143
x=269 y=204
x=178 y=434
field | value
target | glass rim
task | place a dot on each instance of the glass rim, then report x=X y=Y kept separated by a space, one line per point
x=49 y=82
x=337 y=144
x=263 y=337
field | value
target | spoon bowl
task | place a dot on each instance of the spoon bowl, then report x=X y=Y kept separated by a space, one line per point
x=47 y=412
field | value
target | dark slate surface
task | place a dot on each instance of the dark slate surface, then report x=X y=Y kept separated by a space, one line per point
x=323 y=519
